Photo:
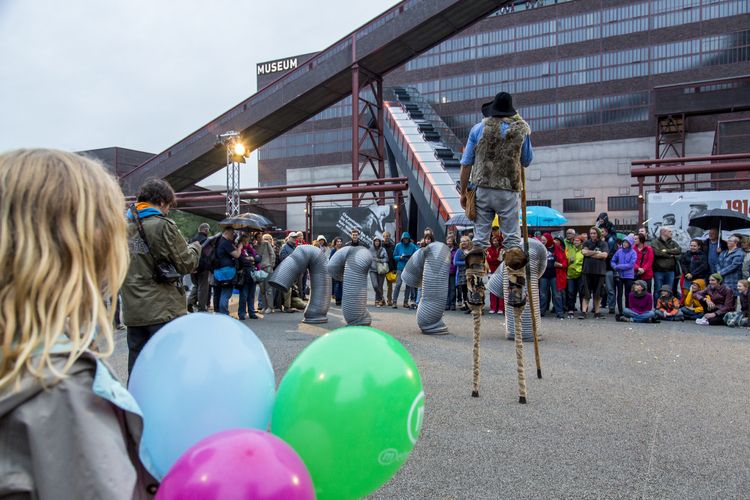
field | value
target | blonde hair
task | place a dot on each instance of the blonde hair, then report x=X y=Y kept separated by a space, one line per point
x=63 y=254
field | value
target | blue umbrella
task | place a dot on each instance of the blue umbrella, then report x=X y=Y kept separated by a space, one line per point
x=539 y=216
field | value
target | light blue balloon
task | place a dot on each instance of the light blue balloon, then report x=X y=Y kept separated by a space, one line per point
x=199 y=375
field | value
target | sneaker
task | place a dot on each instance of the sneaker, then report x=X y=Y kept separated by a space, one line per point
x=654 y=319
x=583 y=315
x=598 y=316
x=570 y=315
x=413 y=306
x=493 y=312
x=516 y=291
x=701 y=321
x=395 y=306
x=623 y=319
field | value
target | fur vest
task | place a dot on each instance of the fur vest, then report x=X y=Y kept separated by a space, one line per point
x=497 y=164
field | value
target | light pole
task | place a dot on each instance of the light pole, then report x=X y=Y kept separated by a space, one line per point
x=235 y=156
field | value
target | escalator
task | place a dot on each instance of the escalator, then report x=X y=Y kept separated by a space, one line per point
x=420 y=149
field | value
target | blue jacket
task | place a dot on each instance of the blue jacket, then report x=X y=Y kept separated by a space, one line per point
x=730 y=267
x=624 y=261
x=403 y=251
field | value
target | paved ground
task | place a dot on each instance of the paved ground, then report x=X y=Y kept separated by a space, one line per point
x=623 y=411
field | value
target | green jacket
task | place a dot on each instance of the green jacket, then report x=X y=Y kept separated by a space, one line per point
x=666 y=254
x=144 y=301
x=575 y=261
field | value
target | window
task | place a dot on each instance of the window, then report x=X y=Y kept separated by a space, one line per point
x=539 y=203
x=622 y=203
x=573 y=205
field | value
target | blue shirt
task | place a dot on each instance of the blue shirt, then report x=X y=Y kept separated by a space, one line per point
x=527 y=154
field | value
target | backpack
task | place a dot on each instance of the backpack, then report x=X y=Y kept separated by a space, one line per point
x=208 y=260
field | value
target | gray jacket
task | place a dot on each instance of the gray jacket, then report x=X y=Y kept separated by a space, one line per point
x=76 y=439
x=378 y=255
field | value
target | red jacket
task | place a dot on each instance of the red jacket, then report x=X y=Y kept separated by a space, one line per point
x=561 y=273
x=493 y=258
x=644 y=259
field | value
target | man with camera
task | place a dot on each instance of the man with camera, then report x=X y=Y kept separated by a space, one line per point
x=228 y=250
x=152 y=294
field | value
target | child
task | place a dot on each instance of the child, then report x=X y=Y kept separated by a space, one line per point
x=668 y=306
x=693 y=308
x=739 y=318
x=68 y=429
x=640 y=310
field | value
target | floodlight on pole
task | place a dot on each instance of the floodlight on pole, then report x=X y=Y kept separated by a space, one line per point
x=235 y=156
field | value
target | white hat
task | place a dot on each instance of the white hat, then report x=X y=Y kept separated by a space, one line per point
x=321 y=237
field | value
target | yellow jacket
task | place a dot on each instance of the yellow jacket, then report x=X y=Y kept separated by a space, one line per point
x=693 y=303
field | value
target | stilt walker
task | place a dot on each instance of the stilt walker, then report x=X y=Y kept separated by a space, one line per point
x=497 y=151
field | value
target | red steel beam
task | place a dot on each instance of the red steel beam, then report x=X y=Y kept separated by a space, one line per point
x=708 y=168
x=705 y=181
x=690 y=159
x=318 y=192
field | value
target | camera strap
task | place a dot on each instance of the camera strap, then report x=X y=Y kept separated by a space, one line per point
x=138 y=222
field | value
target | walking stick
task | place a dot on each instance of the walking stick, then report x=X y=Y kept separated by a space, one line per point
x=476 y=313
x=518 y=337
x=532 y=307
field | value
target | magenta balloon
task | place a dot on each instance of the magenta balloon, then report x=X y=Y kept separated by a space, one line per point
x=238 y=464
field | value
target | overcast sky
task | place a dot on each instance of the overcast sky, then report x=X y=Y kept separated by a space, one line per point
x=142 y=74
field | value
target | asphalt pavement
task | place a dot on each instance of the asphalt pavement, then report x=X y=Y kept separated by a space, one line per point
x=623 y=411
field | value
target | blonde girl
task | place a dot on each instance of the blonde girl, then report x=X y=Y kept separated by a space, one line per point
x=68 y=429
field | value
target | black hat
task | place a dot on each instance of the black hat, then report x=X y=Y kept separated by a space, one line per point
x=486 y=109
x=502 y=106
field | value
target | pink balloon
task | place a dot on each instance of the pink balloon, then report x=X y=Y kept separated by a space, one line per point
x=238 y=464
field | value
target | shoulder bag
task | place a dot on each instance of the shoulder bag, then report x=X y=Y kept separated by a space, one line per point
x=164 y=271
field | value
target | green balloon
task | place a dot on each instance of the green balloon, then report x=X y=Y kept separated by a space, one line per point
x=351 y=405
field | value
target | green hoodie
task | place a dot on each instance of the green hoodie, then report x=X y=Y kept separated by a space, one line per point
x=575 y=261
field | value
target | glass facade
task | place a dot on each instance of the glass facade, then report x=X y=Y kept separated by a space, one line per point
x=607 y=102
x=636 y=17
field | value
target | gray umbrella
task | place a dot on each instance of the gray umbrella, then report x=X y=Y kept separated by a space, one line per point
x=460 y=220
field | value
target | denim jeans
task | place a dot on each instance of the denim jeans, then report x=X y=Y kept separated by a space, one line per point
x=690 y=314
x=247 y=299
x=611 y=295
x=662 y=278
x=337 y=290
x=573 y=292
x=451 y=291
x=663 y=316
x=226 y=294
x=548 y=289
x=506 y=205
x=623 y=290
x=397 y=290
x=638 y=317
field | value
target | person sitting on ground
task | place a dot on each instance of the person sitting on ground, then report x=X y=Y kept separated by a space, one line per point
x=68 y=428
x=739 y=317
x=668 y=306
x=717 y=300
x=641 y=305
x=692 y=308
